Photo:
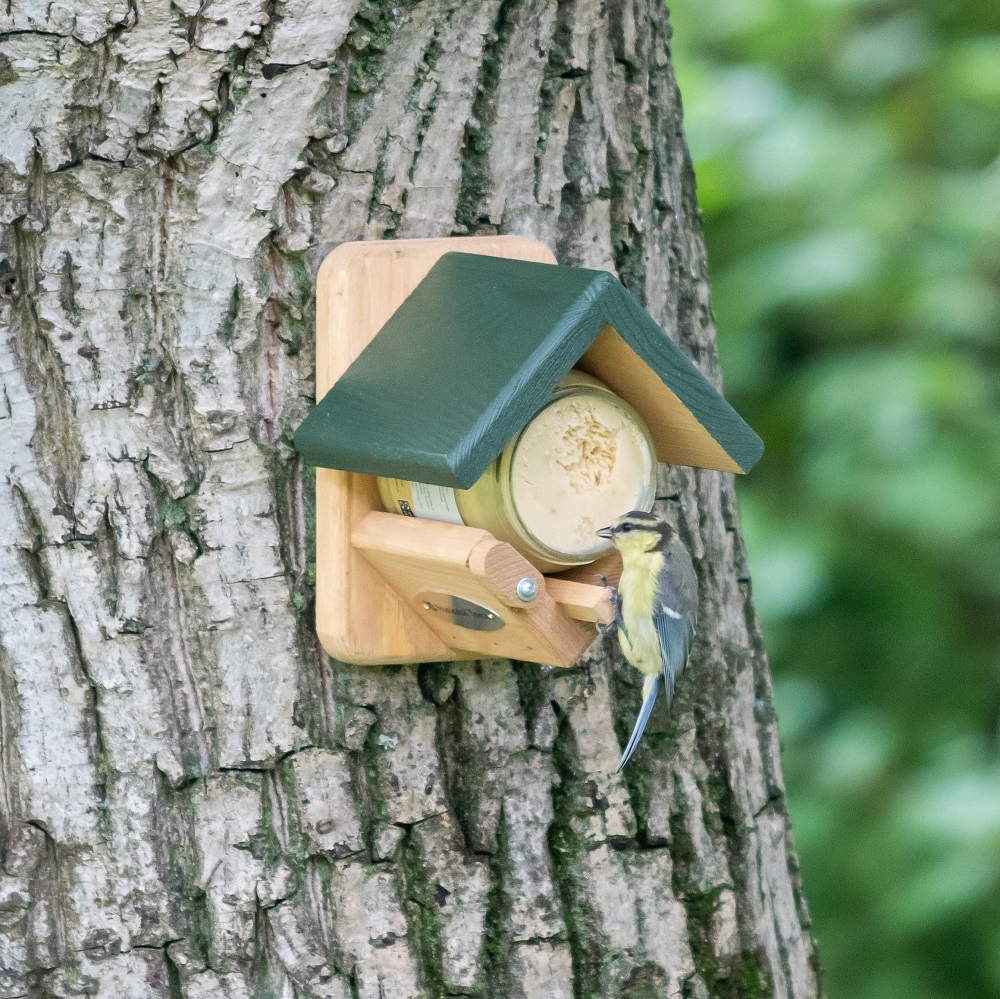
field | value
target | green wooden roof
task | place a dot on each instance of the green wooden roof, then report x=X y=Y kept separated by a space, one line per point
x=472 y=354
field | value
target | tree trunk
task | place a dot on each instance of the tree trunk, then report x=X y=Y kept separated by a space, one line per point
x=194 y=800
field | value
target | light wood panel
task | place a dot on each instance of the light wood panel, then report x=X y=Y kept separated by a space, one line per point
x=679 y=438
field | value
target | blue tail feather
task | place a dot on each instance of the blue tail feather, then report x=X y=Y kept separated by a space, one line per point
x=640 y=724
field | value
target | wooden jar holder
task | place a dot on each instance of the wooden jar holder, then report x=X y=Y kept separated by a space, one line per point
x=383 y=581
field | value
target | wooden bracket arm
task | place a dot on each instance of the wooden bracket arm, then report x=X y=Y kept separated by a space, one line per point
x=423 y=561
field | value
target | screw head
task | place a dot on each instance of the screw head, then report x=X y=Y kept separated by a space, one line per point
x=527 y=589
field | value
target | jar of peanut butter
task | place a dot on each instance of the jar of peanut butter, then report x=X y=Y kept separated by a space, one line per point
x=583 y=459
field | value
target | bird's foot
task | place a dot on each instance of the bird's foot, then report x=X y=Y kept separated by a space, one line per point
x=616 y=597
x=616 y=604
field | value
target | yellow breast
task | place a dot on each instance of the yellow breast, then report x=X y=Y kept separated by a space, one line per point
x=639 y=589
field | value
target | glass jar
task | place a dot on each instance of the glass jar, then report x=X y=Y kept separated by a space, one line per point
x=583 y=460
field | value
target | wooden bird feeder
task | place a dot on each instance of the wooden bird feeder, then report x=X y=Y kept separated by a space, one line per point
x=431 y=354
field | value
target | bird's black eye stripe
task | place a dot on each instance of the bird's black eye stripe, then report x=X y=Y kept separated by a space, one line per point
x=626 y=527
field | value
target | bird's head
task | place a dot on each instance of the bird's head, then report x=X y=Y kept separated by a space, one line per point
x=636 y=532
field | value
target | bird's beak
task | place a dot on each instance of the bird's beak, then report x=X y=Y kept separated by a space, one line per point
x=604 y=532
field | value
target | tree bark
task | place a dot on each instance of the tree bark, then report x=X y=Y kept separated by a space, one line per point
x=194 y=800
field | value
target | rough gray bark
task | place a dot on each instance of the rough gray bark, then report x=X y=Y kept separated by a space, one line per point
x=194 y=801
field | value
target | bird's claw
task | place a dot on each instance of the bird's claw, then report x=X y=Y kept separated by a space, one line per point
x=616 y=597
x=616 y=604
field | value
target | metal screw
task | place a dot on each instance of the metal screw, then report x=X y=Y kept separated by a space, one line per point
x=527 y=589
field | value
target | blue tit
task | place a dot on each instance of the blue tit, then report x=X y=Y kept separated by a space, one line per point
x=656 y=607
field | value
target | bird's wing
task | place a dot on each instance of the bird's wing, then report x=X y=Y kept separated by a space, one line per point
x=640 y=724
x=674 y=631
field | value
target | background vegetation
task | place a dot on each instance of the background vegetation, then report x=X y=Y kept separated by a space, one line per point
x=847 y=161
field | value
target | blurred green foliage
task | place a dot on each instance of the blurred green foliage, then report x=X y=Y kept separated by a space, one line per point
x=847 y=161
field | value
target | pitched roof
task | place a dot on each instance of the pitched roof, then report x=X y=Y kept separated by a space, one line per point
x=473 y=353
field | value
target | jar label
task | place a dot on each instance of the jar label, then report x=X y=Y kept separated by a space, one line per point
x=419 y=499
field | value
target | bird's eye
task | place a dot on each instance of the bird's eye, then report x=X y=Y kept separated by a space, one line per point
x=626 y=527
